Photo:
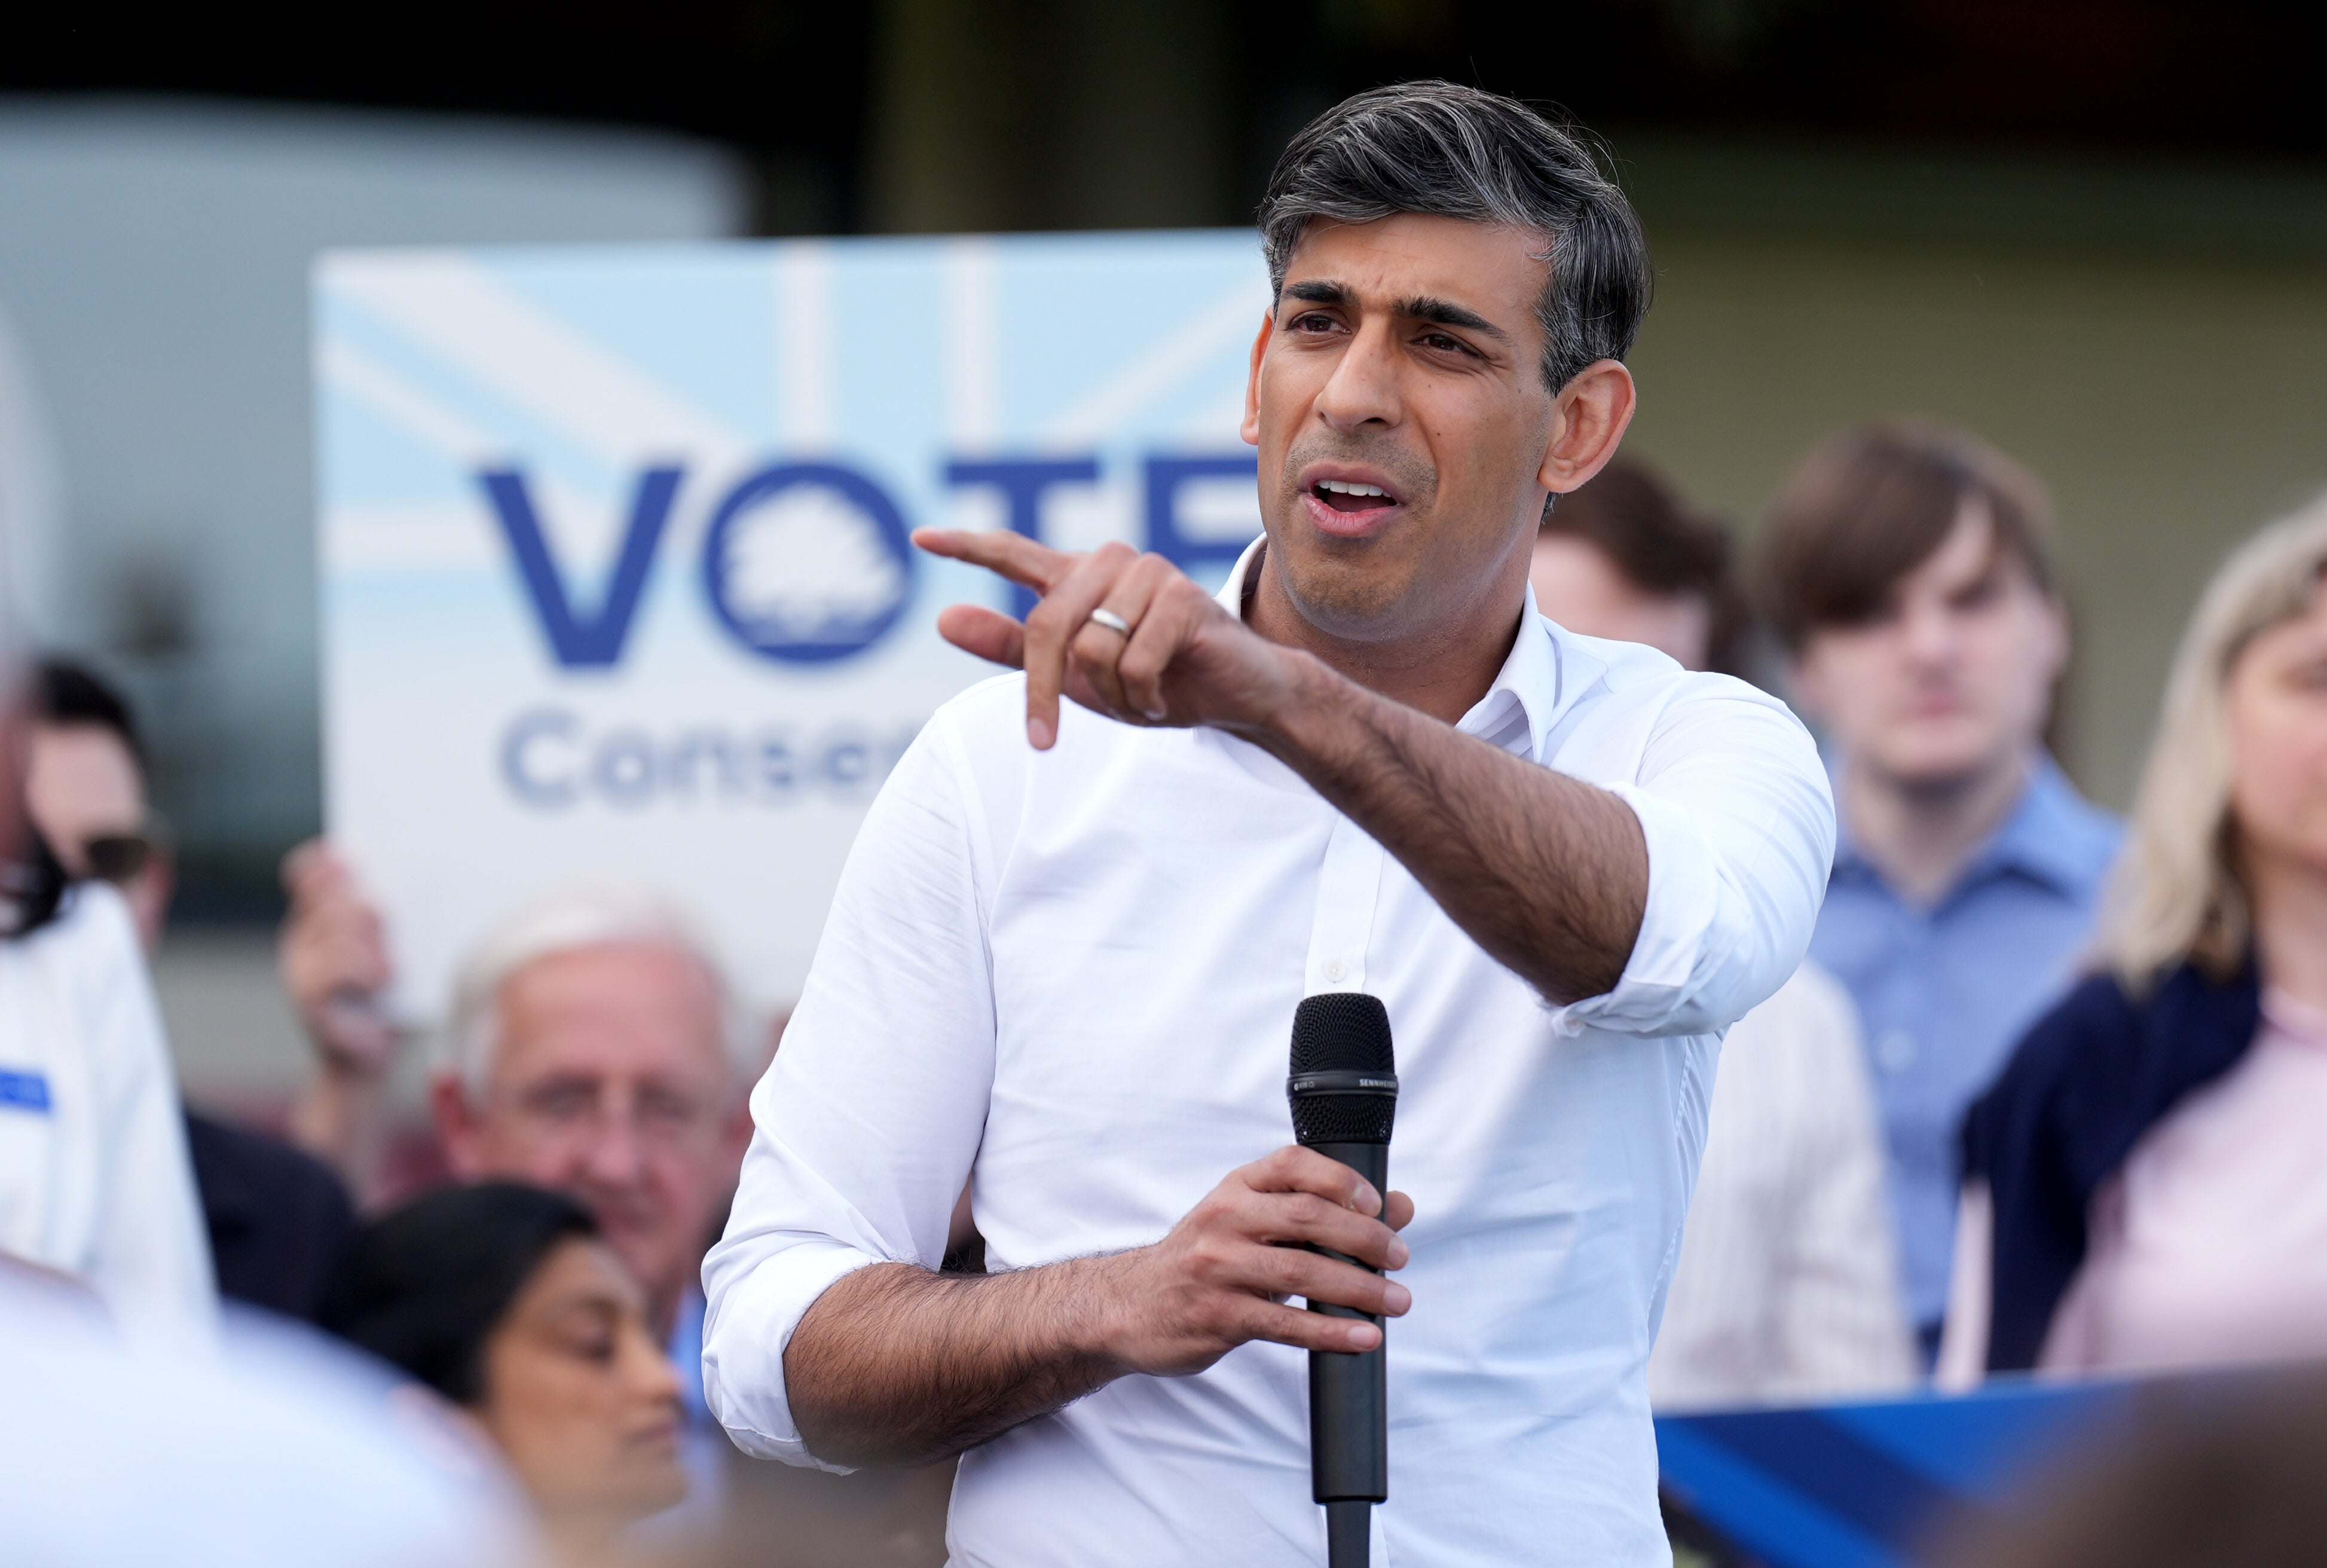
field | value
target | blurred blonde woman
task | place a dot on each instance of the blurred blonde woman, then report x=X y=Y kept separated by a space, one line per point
x=2146 y=1183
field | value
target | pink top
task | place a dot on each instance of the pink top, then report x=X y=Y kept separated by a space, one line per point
x=2211 y=1245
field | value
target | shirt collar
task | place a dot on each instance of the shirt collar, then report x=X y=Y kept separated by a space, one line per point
x=1541 y=677
x=2044 y=836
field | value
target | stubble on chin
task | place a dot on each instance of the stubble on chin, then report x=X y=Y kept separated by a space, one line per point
x=1349 y=589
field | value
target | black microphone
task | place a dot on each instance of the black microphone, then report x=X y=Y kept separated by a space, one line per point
x=1343 y=1088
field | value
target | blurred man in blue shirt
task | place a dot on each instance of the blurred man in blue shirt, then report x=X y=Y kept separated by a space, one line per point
x=1907 y=570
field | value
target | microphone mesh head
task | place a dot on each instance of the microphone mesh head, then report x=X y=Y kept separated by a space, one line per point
x=1342 y=1031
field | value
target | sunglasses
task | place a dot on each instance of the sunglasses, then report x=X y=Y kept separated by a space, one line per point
x=119 y=858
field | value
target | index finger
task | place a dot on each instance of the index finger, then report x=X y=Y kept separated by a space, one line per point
x=306 y=861
x=1294 y=1169
x=315 y=875
x=1023 y=560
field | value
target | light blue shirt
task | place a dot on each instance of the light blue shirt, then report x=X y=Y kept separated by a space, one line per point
x=1945 y=992
x=686 y=1355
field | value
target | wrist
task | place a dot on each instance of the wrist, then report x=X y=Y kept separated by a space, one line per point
x=1288 y=720
x=1101 y=1324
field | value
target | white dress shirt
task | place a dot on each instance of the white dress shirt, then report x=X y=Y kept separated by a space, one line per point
x=1788 y=1285
x=94 y=1175
x=1071 y=977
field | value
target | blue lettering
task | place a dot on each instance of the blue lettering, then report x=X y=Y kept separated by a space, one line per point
x=1165 y=475
x=776 y=764
x=517 y=747
x=552 y=759
x=624 y=767
x=1022 y=482
x=848 y=764
x=697 y=747
x=579 y=641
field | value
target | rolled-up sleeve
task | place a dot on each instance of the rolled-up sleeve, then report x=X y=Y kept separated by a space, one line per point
x=867 y=1122
x=1738 y=817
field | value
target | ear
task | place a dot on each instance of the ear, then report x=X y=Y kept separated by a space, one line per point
x=460 y=1131
x=1588 y=418
x=1250 y=430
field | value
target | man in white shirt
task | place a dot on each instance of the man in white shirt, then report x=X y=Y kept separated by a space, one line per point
x=1064 y=958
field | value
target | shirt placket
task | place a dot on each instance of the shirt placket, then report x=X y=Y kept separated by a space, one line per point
x=1342 y=927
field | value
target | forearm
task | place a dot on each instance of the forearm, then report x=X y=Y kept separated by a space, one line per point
x=341 y=1117
x=1548 y=874
x=895 y=1364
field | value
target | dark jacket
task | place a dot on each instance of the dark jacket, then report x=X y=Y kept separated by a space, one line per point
x=2083 y=1086
x=277 y=1217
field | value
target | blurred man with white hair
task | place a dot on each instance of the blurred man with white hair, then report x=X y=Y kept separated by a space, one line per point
x=593 y=1047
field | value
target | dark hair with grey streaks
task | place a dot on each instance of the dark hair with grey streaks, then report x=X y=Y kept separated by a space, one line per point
x=1447 y=151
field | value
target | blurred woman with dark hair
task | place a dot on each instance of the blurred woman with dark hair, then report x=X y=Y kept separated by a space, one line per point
x=503 y=1300
x=2146 y=1185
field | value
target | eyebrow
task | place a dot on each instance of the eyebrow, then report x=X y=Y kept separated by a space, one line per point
x=596 y=1303
x=1420 y=307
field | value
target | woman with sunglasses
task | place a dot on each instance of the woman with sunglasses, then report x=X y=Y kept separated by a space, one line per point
x=275 y=1217
x=86 y=786
x=94 y=1182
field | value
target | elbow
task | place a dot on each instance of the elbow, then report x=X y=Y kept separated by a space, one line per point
x=1593 y=975
x=842 y=1438
x=1589 y=948
x=841 y=1382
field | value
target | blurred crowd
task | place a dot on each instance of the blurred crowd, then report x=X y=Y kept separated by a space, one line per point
x=2044 y=1097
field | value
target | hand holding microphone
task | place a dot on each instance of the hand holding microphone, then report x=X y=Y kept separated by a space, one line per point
x=1220 y=1277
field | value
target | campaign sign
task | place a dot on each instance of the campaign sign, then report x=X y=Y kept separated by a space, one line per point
x=616 y=579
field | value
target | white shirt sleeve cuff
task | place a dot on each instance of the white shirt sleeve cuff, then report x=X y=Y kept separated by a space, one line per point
x=745 y=1336
x=1685 y=896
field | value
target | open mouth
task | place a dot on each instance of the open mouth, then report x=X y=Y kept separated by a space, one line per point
x=1347 y=495
x=1349 y=508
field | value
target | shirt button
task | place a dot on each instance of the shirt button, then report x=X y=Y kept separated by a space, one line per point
x=1895 y=1051
x=1333 y=971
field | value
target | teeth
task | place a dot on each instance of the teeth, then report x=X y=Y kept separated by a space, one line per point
x=1347 y=487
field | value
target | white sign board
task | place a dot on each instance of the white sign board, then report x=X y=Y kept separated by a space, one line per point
x=615 y=583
